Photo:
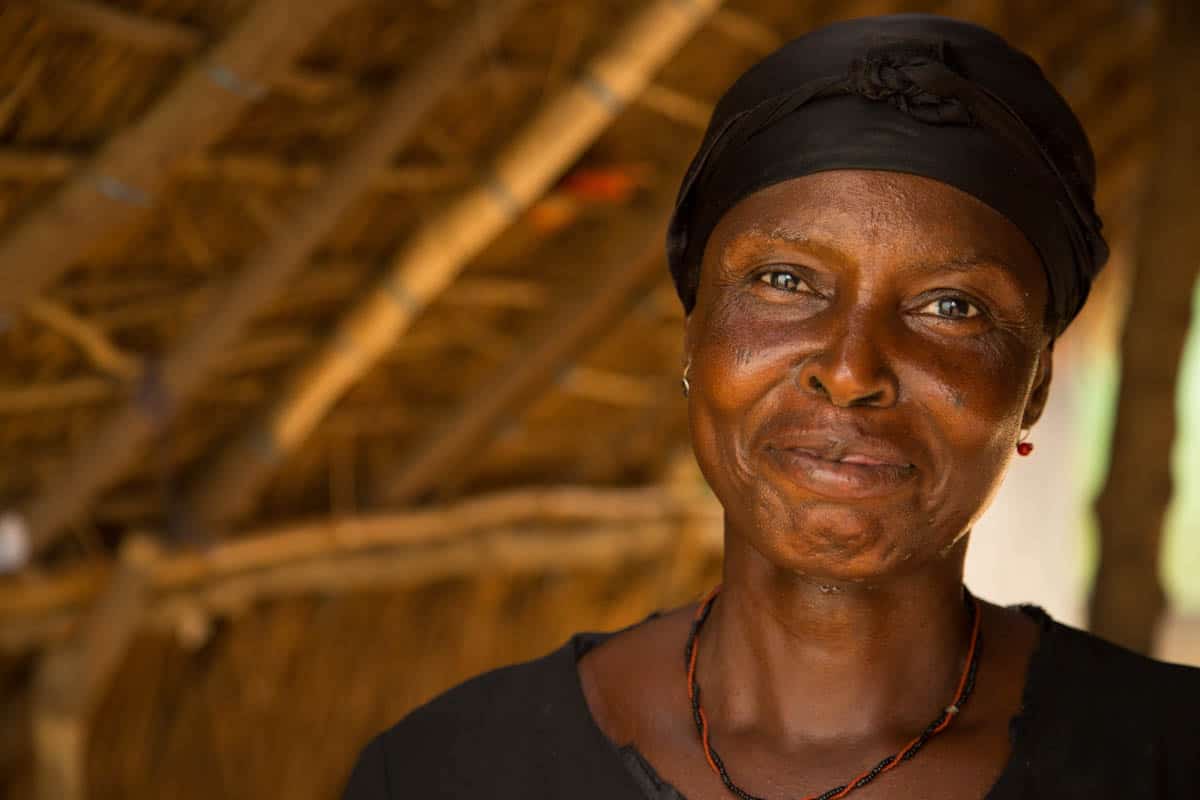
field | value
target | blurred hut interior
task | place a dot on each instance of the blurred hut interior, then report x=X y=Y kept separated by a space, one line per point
x=340 y=360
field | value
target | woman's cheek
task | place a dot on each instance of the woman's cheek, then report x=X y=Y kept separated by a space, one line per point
x=968 y=380
x=738 y=362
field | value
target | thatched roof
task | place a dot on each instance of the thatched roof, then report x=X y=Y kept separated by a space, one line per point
x=268 y=263
x=136 y=397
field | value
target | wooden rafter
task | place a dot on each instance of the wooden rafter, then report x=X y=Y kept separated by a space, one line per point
x=258 y=170
x=439 y=251
x=167 y=36
x=74 y=674
x=95 y=343
x=105 y=457
x=1128 y=598
x=413 y=546
x=746 y=30
x=64 y=394
x=1108 y=50
x=122 y=26
x=440 y=458
x=119 y=184
x=676 y=105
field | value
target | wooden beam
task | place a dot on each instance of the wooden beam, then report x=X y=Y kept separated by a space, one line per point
x=120 y=183
x=746 y=31
x=73 y=675
x=123 y=27
x=262 y=171
x=677 y=106
x=179 y=39
x=1127 y=599
x=701 y=536
x=1105 y=54
x=95 y=343
x=268 y=172
x=608 y=386
x=538 y=154
x=313 y=86
x=415 y=545
x=441 y=457
x=114 y=448
x=1107 y=51
x=1058 y=26
x=38 y=397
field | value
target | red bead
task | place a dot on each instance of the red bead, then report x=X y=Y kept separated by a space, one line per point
x=1025 y=448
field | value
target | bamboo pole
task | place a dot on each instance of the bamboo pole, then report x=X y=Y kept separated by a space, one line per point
x=338 y=555
x=746 y=30
x=74 y=675
x=94 y=342
x=120 y=182
x=1128 y=599
x=263 y=171
x=701 y=534
x=322 y=538
x=438 y=252
x=677 y=106
x=443 y=455
x=123 y=26
x=45 y=396
x=178 y=38
x=105 y=457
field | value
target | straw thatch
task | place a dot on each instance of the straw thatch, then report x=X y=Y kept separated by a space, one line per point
x=130 y=379
x=277 y=278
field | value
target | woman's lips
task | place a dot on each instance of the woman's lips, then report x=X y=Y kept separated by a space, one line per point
x=852 y=476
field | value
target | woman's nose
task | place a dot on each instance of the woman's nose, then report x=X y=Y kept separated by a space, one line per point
x=851 y=369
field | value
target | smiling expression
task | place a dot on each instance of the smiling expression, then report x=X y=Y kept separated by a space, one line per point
x=864 y=350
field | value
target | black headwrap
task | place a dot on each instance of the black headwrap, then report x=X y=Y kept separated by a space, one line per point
x=914 y=93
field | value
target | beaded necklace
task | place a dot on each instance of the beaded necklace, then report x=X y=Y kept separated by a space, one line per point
x=965 y=684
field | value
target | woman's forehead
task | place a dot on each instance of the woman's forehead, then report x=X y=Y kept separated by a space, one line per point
x=844 y=211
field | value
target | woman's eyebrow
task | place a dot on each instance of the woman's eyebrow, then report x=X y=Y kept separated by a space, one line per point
x=967 y=263
x=1001 y=279
x=961 y=263
x=792 y=238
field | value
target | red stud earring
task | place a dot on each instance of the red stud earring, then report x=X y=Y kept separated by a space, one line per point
x=1024 y=447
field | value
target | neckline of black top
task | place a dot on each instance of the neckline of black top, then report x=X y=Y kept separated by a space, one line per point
x=656 y=788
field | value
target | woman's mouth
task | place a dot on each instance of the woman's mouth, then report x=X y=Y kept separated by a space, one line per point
x=852 y=475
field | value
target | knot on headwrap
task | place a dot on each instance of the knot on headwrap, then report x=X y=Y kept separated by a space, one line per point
x=894 y=73
x=974 y=113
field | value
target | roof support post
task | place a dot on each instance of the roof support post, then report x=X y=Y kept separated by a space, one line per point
x=73 y=675
x=1127 y=599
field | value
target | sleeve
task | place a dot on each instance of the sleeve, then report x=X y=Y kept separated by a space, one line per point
x=369 y=777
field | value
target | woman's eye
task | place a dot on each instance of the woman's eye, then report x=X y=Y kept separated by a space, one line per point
x=951 y=308
x=782 y=280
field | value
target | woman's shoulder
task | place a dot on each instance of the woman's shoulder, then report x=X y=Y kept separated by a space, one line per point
x=516 y=695
x=1099 y=720
x=508 y=701
x=1110 y=693
x=496 y=729
x=1088 y=660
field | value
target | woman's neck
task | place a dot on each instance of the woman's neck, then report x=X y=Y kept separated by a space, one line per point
x=786 y=656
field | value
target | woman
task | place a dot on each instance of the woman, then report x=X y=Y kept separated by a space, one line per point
x=887 y=226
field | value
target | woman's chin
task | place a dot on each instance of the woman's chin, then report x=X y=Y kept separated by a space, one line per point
x=840 y=544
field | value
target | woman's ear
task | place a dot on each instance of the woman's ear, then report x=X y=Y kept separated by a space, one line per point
x=1041 y=387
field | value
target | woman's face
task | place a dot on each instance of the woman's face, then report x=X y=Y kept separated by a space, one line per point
x=864 y=348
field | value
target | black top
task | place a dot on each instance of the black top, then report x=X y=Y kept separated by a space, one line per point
x=1097 y=721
